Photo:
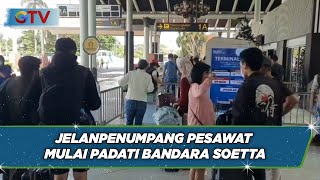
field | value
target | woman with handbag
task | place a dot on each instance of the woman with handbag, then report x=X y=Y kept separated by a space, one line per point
x=201 y=109
x=185 y=67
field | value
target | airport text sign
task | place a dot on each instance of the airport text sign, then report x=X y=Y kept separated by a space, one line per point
x=183 y=27
x=103 y=11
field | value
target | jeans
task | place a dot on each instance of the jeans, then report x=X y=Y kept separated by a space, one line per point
x=171 y=88
x=135 y=111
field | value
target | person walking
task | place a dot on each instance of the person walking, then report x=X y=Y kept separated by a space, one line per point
x=276 y=68
x=170 y=74
x=185 y=67
x=68 y=95
x=201 y=110
x=139 y=84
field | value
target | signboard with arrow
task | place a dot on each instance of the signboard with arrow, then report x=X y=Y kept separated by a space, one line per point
x=183 y=27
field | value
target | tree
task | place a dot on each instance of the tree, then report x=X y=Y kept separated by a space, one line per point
x=107 y=42
x=244 y=30
x=4 y=44
x=36 y=4
x=191 y=43
x=138 y=51
x=164 y=49
x=28 y=43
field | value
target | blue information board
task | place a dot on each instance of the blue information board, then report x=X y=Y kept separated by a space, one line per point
x=225 y=63
x=226 y=58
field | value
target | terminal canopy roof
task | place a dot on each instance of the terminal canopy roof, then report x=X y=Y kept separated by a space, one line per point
x=220 y=10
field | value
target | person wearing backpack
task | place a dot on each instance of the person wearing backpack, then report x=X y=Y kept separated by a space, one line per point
x=170 y=74
x=15 y=107
x=69 y=93
x=152 y=70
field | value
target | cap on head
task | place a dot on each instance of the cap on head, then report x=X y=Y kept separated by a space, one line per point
x=154 y=63
x=266 y=62
x=66 y=45
x=142 y=64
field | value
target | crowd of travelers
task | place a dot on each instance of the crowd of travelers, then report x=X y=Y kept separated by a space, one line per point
x=63 y=93
x=261 y=100
x=64 y=86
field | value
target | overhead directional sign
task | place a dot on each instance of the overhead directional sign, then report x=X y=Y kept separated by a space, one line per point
x=102 y=11
x=183 y=27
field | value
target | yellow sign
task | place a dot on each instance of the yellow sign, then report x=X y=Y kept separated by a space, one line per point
x=166 y=26
x=160 y=26
x=91 y=45
x=203 y=27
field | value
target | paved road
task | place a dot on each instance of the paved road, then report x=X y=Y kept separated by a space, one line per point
x=108 y=78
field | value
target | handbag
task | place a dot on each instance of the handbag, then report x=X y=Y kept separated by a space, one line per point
x=198 y=120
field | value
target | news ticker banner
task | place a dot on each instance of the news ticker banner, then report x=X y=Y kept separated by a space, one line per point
x=87 y=147
x=32 y=17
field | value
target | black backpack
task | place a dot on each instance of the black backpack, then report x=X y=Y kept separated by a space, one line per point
x=150 y=70
x=225 y=118
x=61 y=101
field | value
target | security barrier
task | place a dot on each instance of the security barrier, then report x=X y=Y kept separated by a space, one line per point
x=112 y=102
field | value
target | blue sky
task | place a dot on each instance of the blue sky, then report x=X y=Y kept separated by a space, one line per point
x=167 y=38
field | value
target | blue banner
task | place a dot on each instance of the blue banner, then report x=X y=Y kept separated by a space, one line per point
x=225 y=63
x=226 y=58
x=49 y=147
x=32 y=17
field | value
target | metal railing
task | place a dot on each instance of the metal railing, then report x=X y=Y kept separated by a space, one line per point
x=301 y=114
x=293 y=86
x=112 y=102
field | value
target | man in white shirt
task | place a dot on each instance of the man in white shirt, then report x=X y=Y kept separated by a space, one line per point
x=139 y=85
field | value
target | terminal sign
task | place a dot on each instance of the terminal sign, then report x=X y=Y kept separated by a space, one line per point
x=183 y=27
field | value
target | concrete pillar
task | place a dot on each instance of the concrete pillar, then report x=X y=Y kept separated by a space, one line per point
x=92 y=27
x=150 y=42
x=129 y=36
x=154 y=38
x=257 y=10
x=228 y=28
x=146 y=37
x=42 y=41
x=83 y=31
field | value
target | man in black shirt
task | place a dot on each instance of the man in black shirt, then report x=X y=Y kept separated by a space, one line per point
x=276 y=68
x=290 y=100
x=258 y=102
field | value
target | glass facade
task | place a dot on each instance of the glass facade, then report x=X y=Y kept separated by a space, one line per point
x=294 y=69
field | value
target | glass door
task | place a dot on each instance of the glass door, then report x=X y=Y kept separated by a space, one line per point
x=294 y=70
